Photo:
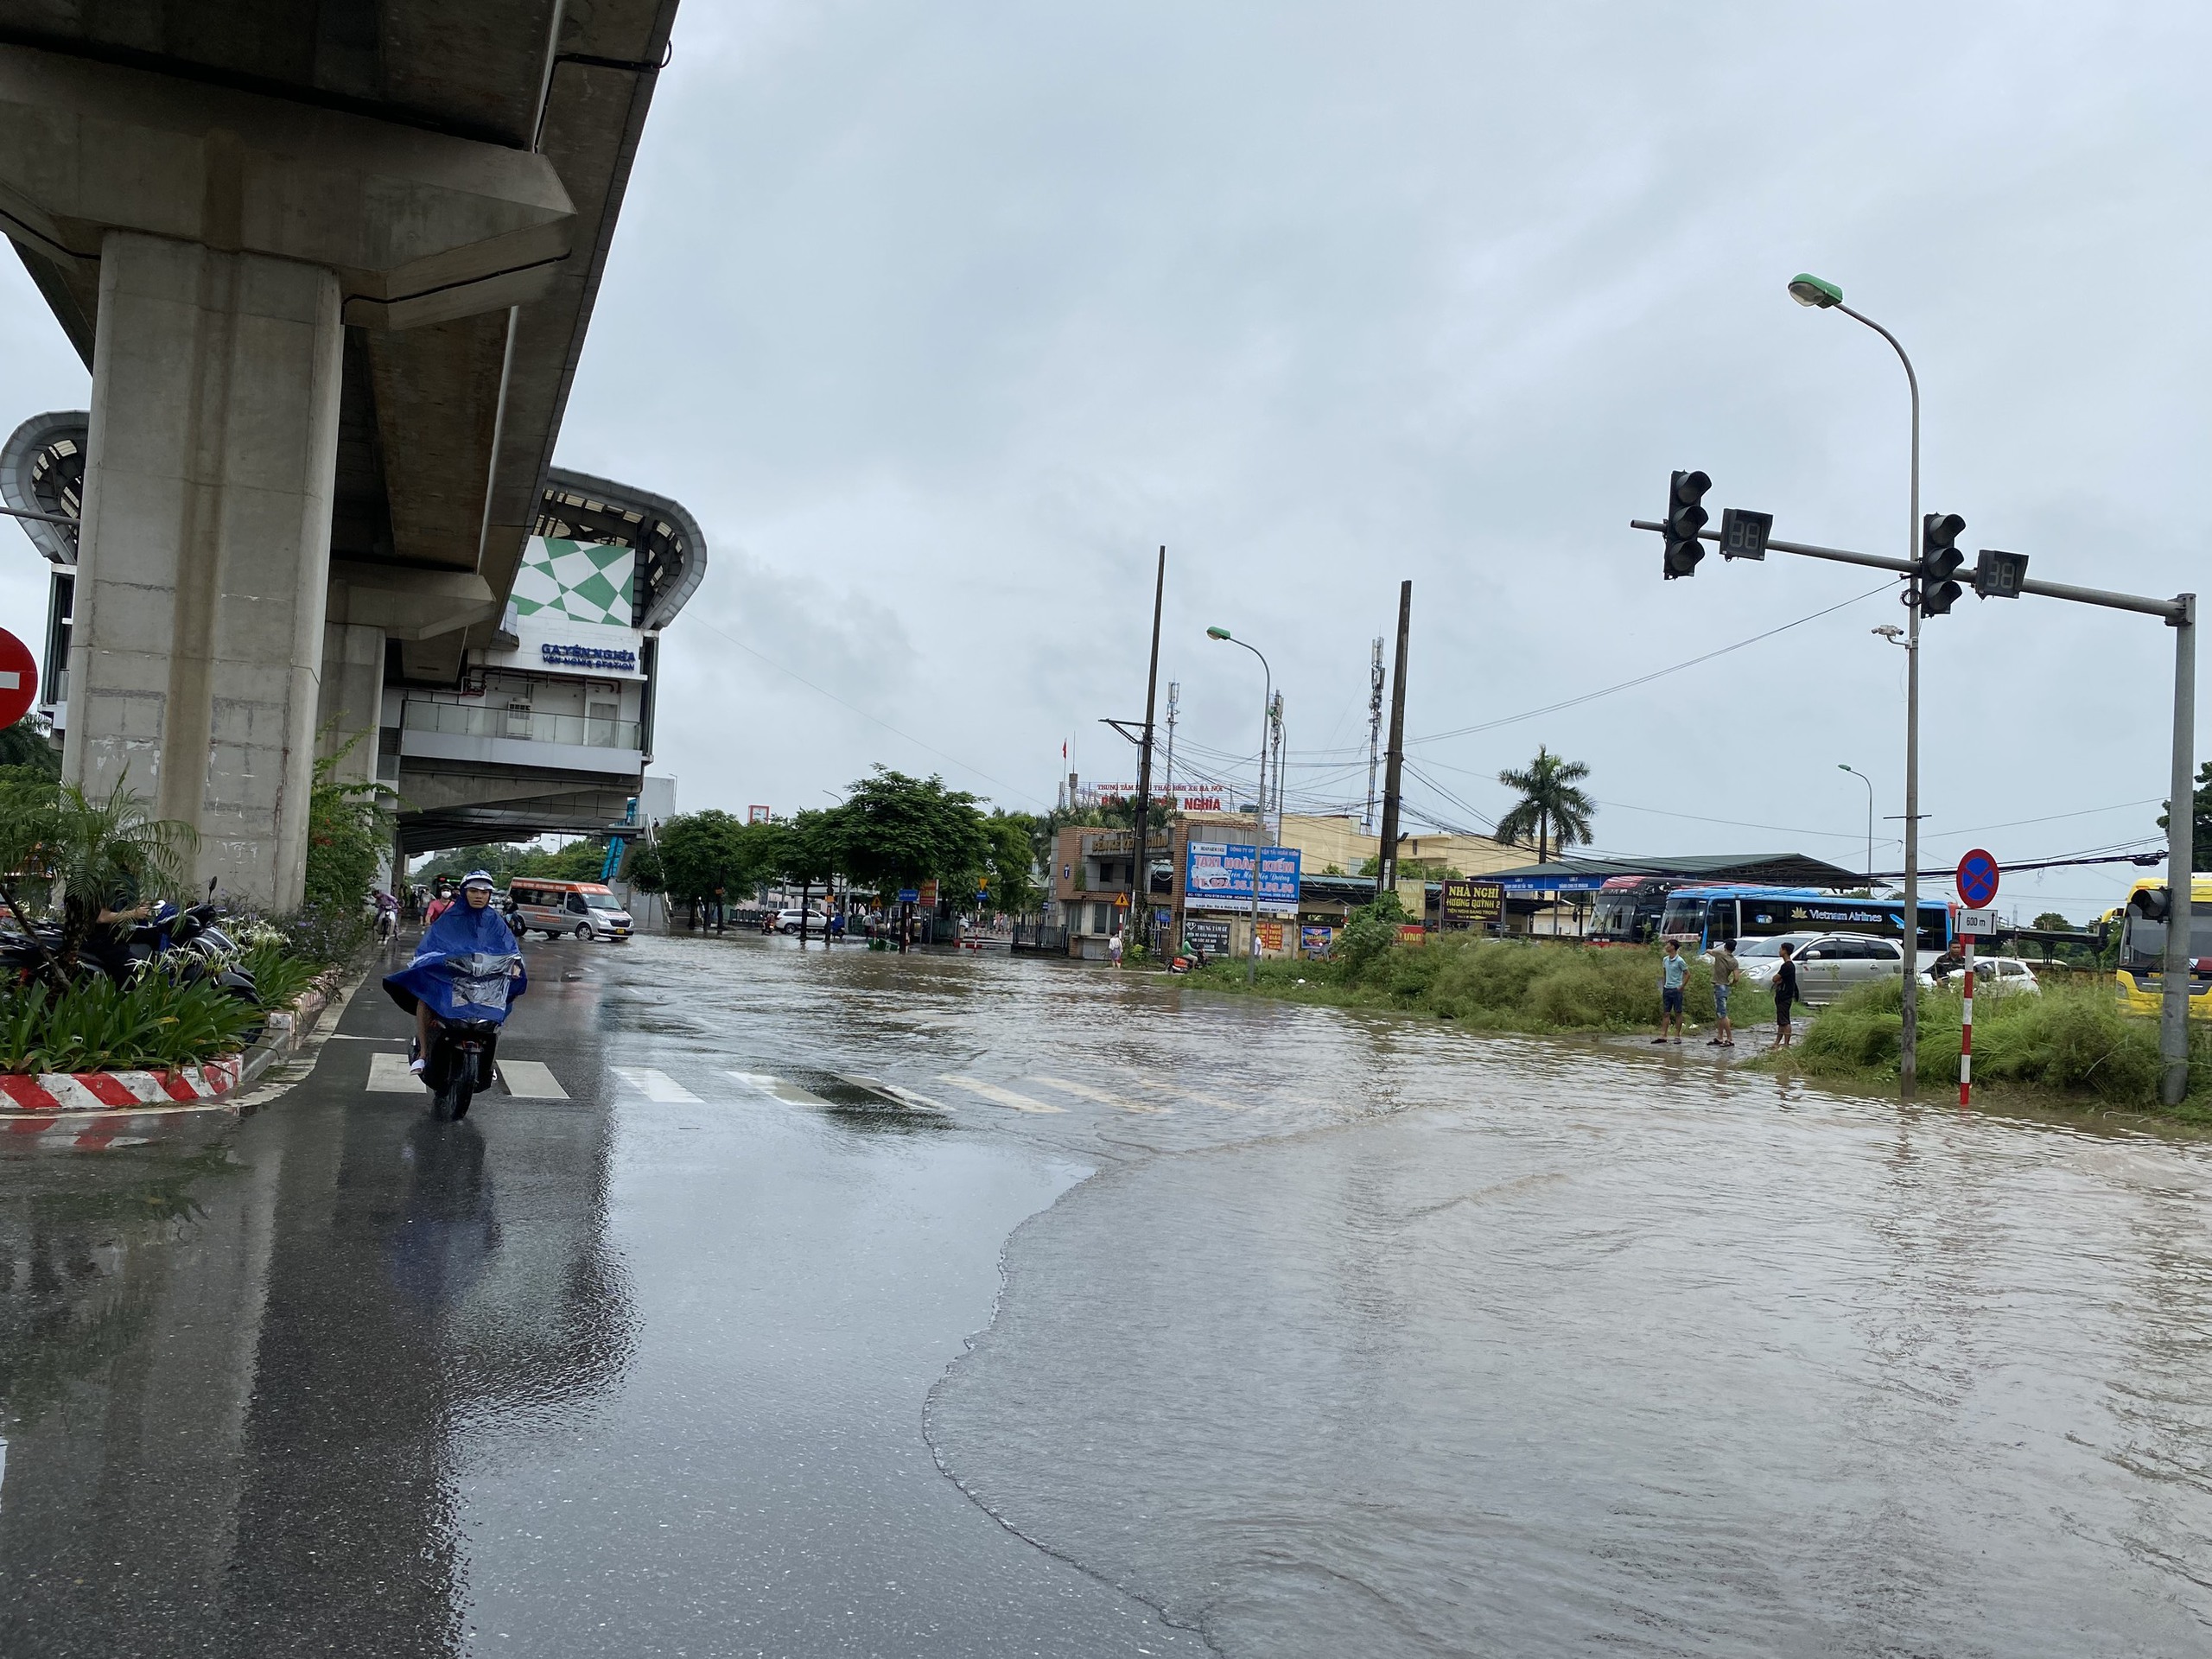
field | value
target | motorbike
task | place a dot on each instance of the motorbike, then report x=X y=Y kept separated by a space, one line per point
x=464 y=1056
x=465 y=1041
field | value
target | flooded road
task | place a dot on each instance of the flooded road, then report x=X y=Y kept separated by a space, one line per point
x=1317 y=1334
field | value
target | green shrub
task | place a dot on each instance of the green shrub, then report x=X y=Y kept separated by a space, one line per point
x=1370 y=937
x=95 y=1024
x=278 y=975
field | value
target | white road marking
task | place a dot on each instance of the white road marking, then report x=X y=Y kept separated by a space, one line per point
x=657 y=1085
x=905 y=1096
x=388 y=1074
x=790 y=1093
x=1084 y=1091
x=1201 y=1098
x=531 y=1080
x=991 y=1091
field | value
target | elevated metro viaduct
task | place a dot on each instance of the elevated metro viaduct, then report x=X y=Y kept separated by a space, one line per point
x=332 y=268
x=547 y=728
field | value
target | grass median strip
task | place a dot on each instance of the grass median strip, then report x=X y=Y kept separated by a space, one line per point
x=2072 y=1042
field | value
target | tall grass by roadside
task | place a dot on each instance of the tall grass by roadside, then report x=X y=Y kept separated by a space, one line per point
x=1492 y=984
x=2075 y=1039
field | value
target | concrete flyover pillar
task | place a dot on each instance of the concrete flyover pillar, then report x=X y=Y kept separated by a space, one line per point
x=205 y=548
x=234 y=236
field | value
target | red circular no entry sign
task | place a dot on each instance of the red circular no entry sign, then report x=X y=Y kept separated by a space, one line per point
x=18 y=678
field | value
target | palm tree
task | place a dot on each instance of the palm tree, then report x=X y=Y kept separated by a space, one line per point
x=1549 y=802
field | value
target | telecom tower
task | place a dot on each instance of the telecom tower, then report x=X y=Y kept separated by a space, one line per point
x=1374 y=734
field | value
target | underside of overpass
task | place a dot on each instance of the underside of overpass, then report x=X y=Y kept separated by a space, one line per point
x=332 y=267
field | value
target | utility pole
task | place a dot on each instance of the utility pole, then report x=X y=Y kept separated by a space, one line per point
x=1386 y=879
x=1140 y=868
x=1375 y=683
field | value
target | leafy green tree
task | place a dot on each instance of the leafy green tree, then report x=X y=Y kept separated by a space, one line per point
x=1551 y=808
x=902 y=830
x=349 y=827
x=1012 y=861
x=2200 y=856
x=2051 y=921
x=26 y=744
x=701 y=852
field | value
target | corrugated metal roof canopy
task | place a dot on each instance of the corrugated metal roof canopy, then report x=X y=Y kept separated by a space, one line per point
x=1767 y=870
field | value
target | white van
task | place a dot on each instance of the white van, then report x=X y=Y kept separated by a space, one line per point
x=584 y=910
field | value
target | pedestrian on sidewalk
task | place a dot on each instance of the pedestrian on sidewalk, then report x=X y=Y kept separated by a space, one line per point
x=1674 y=974
x=1114 y=950
x=1785 y=993
x=1726 y=970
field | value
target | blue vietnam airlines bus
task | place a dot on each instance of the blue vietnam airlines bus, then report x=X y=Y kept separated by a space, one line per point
x=1697 y=918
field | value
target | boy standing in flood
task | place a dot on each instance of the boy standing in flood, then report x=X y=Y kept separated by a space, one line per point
x=1785 y=993
x=1725 y=972
x=1674 y=975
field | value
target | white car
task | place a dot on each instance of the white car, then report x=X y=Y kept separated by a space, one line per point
x=1993 y=976
x=1828 y=964
x=787 y=921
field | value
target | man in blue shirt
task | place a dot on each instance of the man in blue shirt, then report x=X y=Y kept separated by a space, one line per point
x=1674 y=974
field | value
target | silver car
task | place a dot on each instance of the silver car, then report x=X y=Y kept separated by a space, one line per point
x=1828 y=964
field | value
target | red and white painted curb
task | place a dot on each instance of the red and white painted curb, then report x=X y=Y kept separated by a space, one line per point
x=23 y=1097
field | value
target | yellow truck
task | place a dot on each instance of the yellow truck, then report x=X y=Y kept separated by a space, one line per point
x=2142 y=925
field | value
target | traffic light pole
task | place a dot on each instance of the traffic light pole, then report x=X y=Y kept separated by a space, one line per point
x=2178 y=614
x=2181 y=857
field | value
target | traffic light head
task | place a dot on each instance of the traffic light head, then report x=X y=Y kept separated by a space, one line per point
x=1685 y=519
x=2151 y=904
x=1940 y=560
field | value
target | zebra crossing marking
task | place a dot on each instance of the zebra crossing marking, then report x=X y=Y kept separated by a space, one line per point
x=531 y=1080
x=388 y=1075
x=778 y=1088
x=991 y=1091
x=1102 y=1097
x=904 y=1097
x=656 y=1086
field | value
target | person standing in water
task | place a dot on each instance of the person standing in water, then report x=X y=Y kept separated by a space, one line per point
x=1673 y=976
x=1725 y=972
x=1785 y=993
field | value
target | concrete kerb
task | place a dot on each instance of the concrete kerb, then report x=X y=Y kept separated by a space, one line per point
x=291 y=1037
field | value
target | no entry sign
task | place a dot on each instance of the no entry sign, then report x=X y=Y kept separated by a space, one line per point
x=18 y=678
x=1977 y=879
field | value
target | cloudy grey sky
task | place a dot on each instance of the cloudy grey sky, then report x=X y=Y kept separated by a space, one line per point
x=943 y=318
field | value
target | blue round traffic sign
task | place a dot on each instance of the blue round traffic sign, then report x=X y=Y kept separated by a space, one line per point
x=1977 y=879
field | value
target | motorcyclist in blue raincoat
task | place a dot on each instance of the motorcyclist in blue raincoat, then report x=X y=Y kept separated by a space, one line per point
x=466 y=967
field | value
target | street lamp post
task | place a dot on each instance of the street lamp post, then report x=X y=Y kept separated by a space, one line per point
x=1869 y=782
x=1260 y=807
x=1827 y=297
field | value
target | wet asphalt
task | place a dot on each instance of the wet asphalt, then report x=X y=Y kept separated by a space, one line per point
x=636 y=1371
x=832 y=1302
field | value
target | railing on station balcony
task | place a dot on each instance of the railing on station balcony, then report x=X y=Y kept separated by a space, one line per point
x=529 y=725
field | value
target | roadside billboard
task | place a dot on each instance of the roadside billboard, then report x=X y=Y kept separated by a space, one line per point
x=1200 y=933
x=1473 y=904
x=1217 y=875
x=1316 y=941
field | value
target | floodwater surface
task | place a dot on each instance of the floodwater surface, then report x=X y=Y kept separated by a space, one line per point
x=1313 y=1333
